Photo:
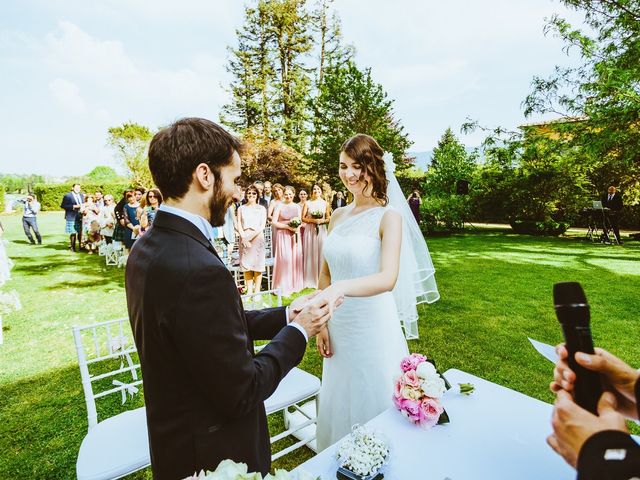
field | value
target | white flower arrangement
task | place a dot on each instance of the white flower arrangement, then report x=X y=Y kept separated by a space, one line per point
x=363 y=452
x=230 y=470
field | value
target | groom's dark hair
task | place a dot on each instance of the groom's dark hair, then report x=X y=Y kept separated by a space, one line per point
x=176 y=151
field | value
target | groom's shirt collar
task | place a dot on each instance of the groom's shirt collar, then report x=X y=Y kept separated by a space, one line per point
x=203 y=224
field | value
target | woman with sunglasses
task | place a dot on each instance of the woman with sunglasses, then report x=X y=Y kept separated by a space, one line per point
x=252 y=220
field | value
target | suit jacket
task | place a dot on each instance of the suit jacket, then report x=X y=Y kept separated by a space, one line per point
x=597 y=460
x=68 y=201
x=203 y=386
x=337 y=203
x=614 y=204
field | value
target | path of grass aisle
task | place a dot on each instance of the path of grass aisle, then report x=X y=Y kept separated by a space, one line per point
x=495 y=287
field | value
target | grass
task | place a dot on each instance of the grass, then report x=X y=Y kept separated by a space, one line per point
x=495 y=288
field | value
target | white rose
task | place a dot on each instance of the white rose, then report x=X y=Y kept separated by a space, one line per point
x=433 y=387
x=426 y=370
x=229 y=470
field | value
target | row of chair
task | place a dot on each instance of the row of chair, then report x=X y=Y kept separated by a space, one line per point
x=118 y=445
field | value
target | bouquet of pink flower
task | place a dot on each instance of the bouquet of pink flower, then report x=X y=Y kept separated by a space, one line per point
x=418 y=390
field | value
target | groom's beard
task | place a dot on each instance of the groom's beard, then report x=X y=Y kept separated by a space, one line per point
x=218 y=206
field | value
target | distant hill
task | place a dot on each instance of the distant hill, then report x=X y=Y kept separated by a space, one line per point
x=423 y=159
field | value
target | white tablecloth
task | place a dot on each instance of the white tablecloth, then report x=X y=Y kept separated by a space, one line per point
x=494 y=434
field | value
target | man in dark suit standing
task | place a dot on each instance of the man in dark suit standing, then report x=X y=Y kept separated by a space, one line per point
x=261 y=200
x=338 y=201
x=613 y=201
x=204 y=387
x=71 y=203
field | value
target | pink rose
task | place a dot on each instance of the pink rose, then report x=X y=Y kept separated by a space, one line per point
x=412 y=408
x=412 y=361
x=411 y=378
x=430 y=411
x=397 y=389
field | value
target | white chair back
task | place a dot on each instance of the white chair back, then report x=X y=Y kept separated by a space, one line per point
x=266 y=299
x=99 y=346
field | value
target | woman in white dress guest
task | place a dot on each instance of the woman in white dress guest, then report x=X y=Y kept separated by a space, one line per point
x=364 y=253
x=252 y=219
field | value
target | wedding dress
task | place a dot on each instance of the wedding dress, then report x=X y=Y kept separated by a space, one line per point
x=365 y=333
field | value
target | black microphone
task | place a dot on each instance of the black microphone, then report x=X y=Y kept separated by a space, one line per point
x=572 y=311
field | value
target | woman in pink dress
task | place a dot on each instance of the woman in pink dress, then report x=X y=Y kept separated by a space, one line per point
x=277 y=191
x=314 y=235
x=287 y=268
x=252 y=218
x=303 y=196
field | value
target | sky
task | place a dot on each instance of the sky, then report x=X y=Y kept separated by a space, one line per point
x=70 y=69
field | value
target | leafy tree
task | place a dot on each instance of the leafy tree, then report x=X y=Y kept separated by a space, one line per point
x=329 y=31
x=450 y=163
x=350 y=102
x=131 y=143
x=264 y=159
x=103 y=174
x=251 y=65
x=601 y=96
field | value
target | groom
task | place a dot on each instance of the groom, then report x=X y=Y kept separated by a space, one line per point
x=204 y=388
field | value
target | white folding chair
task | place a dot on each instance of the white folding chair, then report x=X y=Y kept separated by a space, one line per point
x=118 y=445
x=296 y=396
x=269 y=260
x=265 y=299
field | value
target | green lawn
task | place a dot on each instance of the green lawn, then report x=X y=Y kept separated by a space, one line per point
x=495 y=288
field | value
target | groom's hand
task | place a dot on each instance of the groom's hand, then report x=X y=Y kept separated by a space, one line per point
x=299 y=303
x=313 y=317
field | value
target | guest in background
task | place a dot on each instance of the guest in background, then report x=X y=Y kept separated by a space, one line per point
x=598 y=446
x=153 y=200
x=98 y=199
x=120 y=227
x=338 y=201
x=414 y=204
x=107 y=219
x=92 y=237
x=71 y=203
x=316 y=214
x=139 y=191
x=303 y=196
x=613 y=201
x=89 y=213
x=267 y=194
x=278 y=191
x=287 y=269
x=130 y=219
x=252 y=220
x=31 y=207
x=261 y=200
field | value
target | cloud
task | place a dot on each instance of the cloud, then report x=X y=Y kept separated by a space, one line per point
x=67 y=96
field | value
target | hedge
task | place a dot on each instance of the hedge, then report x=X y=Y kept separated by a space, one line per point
x=2 y=192
x=50 y=195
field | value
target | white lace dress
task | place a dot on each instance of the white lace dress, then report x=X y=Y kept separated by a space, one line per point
x=366 y=337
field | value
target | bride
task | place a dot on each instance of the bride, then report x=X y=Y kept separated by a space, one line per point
x=374 y=260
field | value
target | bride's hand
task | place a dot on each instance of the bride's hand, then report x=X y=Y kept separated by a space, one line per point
x=334 y=297
x=323 y=342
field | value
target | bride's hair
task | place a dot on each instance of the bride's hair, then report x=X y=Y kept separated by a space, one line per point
x=366 y=151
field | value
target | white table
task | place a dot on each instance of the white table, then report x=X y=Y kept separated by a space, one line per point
x=495 y=433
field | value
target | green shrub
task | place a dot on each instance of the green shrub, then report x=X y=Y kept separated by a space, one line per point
x=2 y=192
x=443 y=214
x=50 y=195
x=530 y=227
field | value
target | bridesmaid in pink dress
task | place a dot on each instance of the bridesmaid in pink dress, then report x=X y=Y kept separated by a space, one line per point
x=287 y=268
x=314 y=235
x=277 y=191
x=303 y=196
